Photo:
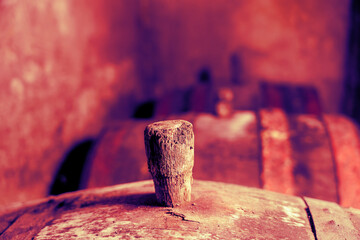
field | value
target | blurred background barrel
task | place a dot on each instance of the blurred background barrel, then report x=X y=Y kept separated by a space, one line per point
x=300 y=154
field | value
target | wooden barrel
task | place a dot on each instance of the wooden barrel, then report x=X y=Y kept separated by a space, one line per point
x=216 y=211
x=300 y=154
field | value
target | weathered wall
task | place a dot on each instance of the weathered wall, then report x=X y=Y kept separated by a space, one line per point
x=67 y=67
x=300 y=42
x=57 y=86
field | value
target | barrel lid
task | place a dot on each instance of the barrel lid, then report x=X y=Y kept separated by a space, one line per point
x=217 y=211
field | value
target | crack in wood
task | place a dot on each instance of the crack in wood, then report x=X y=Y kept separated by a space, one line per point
x=310 y=218
x=180 y=215
x=10 y=224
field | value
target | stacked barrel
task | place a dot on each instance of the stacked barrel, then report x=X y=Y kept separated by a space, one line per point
x=301 y=154
x=311 y=155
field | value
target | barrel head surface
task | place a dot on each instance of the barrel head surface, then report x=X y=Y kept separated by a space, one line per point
x=216 y=211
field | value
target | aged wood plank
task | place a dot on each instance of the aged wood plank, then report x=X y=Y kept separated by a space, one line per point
x=331 y=221
x=277 y=164
x=28 y=225
x=227 y=149
x=7 y=220
x=354 y=216
x=314 y=171
x=217 y=211
x=346 y=146
x=9 y=214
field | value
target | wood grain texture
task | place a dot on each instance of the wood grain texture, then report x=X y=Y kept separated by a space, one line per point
x=346 y=146
x=277 y=162
x=331 y=221
x=314 y=171
x=227 y=149
x=216 y=211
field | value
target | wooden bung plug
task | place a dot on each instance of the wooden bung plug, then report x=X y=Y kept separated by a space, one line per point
x=169 y=147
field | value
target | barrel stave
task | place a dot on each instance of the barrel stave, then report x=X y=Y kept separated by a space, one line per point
x=331 y=221
x=313 y=164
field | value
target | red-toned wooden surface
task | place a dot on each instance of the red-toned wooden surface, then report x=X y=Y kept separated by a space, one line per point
x=216 y=211
x=277 y=165
x=227 y=150
x=313 y=164
x=331 y=221
x=346 y=146
x=227 y=153
x=297 y=154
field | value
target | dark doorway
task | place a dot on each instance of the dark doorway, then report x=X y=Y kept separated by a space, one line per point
x=70 y=172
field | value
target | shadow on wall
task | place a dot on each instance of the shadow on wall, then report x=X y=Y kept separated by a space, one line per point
x=70 y=172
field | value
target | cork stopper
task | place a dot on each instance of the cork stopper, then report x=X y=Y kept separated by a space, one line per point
x=169 y=147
